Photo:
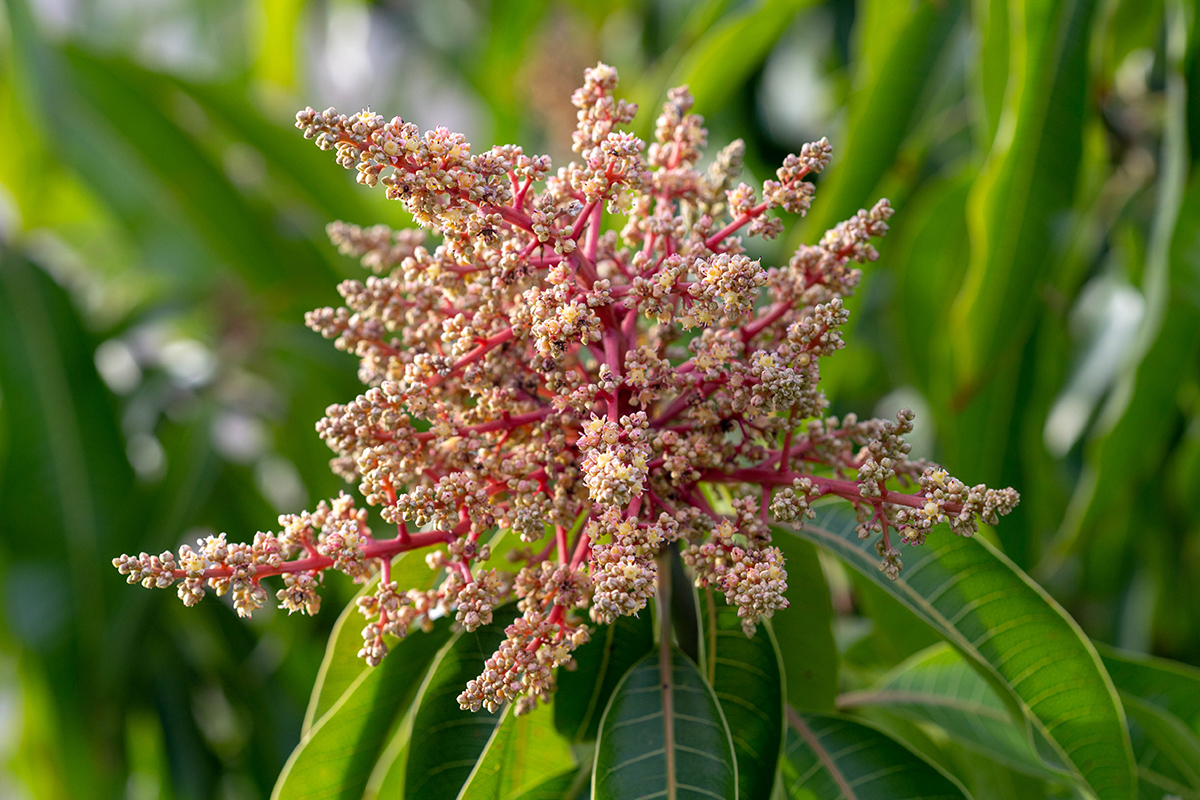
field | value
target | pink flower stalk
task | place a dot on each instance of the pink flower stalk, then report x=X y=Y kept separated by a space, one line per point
x=580 y=389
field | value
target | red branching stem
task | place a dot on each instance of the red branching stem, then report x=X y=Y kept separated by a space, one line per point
x=560 y=540
x=385 y=549
x=583 y=549
x=613 y=359
x=847 y=489
x=756 y=325
x=591 y=244
x=720 y=236
x=503 y=424
x=479 y=352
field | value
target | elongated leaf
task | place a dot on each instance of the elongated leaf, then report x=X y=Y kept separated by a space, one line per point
x=557 y=788
x=1167 y=751
x=1029 y=179
x=601 y=663
x=835 y=758
x=663 y=735
x=524 y=752
x=717 y=65
x=335 y=758
x=447 y=741
x=898 y=44
x=1015 y=632
x=745 y=675
x=939 y=687
x=341 y=667
x=1141 y=412
x=804 y=630
x=1172 y=686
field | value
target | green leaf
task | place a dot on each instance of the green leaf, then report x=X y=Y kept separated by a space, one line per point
x=745 y=675
x=719 y=64
x=1167 y=751
x=583 y=693
x=1172 y=686
x=663 y=734
x=804 y=629
x=447 y=741
x=835 y=758
x=897 y=46
x=1014 y=631
x=341 y=667
x=524 y=752
x=938 y=686
x=928 y=252
x=560 y=787
x=335 y=757
x=1028 y=180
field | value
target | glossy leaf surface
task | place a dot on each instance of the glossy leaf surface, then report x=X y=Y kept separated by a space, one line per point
x=745 y=676
x=938 y=687
x=447 y=741
x=1028 y=646
x=583 y=692
x=337 y=755
x=663 y=734
x=524 y=752
x=341 y=668
x=836 y=758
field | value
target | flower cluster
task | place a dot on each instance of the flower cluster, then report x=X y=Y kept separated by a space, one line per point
x=573 y=396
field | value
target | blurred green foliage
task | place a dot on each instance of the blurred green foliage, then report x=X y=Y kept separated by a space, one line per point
x=1038 y=304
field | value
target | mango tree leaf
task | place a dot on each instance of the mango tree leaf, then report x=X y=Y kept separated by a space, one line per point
x=897 y=45
x=335 y=757
x=447 y=741
x=341 y=668
x=663 y=734
x=1167 y=751
x=1140 y=429
x=1172 y=686
x=718 y=65
x=601 y=663
x=804 y=630
x=524 y=752
x=387 y=778
x=1029 y=179
x=835 y=758
x=563 y=786
x=1016 y=634
x=937 y=686
x=745 y=675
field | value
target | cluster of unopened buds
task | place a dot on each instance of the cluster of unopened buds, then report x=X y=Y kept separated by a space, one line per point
x=580 y=397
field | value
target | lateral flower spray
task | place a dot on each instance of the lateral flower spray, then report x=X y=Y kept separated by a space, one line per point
x=584 y=390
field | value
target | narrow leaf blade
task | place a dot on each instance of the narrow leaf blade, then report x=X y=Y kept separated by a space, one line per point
x=1023 y=641
x=835 y=758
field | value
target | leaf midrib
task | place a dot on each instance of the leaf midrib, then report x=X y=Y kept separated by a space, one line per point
x=959 y=639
